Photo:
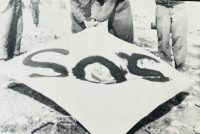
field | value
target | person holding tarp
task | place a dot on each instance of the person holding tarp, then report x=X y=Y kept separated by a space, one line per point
x=34 y=5
x=171 y=17
x=11 y=29
x=80 y=14
x=119 y=16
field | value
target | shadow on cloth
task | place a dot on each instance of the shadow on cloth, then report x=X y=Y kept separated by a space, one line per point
x=25 y=90
x=159 y=111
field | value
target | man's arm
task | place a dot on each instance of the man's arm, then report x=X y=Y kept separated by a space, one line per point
x=106 y=11
x=76 y=11
x=96 y=9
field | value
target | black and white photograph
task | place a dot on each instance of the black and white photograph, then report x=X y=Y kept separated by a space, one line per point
x=99 y=67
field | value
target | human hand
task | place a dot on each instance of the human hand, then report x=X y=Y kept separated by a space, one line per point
x=92 y=23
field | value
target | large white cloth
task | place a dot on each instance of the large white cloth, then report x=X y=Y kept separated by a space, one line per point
x=100 y=108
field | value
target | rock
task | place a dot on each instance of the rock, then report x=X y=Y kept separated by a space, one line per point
x=197 y=129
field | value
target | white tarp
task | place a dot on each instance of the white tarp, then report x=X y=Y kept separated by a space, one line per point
x=100 y=108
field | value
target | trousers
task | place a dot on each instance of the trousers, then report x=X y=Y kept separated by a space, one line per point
x=35 y=14
x=11 y=25
x=120 y=23
x=174 y=21
x=16 y=29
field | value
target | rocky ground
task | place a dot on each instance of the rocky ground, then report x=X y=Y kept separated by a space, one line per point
x=21 y=109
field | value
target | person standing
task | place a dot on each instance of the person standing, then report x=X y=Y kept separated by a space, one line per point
x=6 y=17
x=34 y=5
x=11 y=30
x=171 y=17
x=80 y=14
x=17 y=27
x=119 y=16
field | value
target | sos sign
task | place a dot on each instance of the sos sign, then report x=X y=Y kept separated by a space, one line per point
x=115 y=71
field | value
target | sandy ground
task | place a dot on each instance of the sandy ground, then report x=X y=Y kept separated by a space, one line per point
x=21 y=109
